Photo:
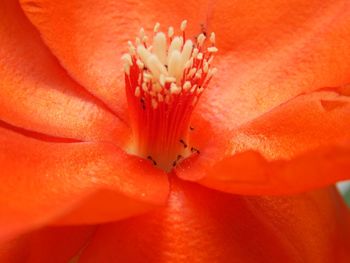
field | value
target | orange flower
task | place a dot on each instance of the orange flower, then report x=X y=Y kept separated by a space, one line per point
x=268 y=124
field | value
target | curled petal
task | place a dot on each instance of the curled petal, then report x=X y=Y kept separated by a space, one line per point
x=299 y=145
x=71 y=183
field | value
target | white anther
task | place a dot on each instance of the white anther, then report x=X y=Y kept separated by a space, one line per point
x=199 y=90
x=147 y=76
x=183 y=25
x=143 y=53
x=132 y=51
x=191 y=73
x=130 y=44
x=156 y=27
x=176 y=44
x=195 y=52
x=140 y=64
x=198 y=74
x=127 y=63
x=137 y=92
x=127 y=59
x=155 y=66
x=200 y=56
x=174 y=65
x=171 y=32
x=174 y=89
x=189 y=63
x=186 y=54
x=201 y=39
x=212 y=38
x=159 y=47
x=170 y=79
x=187 y=85
x=127 y=69
x=212 y=49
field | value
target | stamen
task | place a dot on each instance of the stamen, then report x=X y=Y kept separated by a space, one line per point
x=164 y=81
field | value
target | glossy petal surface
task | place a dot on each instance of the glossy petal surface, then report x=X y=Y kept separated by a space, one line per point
x=272 y=51
x=302 y=144
x=71 y=183
x=37 y=94
x=202 y=225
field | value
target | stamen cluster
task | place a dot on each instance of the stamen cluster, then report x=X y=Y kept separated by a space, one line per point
x=164 y=81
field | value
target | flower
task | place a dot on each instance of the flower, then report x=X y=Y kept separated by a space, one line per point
x=273 y=121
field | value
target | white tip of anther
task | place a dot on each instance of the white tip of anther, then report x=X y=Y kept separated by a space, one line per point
x=186 y=52
x=200 y=56
x=156 y=27
x=140 y=64
x=201 y=39
x=212 y=38
x=159 y=46
x=127 y=59
x=212 y=49
x=174 y=89
x=171 y=32
x=187 y=85
x=143 y=53
x=174 y=64
x=183 y=25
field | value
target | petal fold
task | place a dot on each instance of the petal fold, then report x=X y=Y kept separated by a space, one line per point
x=37 y=94
x=203 y=225
x=299 y=145
x=271 y=51
x=71 y=183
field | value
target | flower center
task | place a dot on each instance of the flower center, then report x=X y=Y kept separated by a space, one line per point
x=163 y=84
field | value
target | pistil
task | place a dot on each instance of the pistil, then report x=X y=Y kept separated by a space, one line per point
x=163 y=83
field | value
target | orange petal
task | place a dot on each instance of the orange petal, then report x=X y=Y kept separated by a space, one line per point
x=203 y=225
x=89 y=37
x=58 y=244
x=46 y=245
x=296 y=136
x=71 y=183
x=272 y=51
x=37 y=94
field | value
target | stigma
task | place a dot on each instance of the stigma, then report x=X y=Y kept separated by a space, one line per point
x=165 y=76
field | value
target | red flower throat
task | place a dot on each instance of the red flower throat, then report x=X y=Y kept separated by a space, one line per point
x=163 y=84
